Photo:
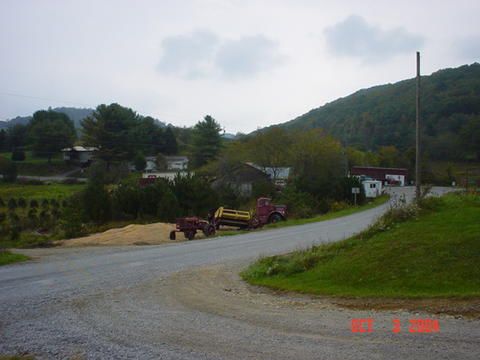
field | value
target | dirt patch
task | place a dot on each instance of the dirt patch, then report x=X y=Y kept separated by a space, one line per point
x=222 y=288
x=150 y=234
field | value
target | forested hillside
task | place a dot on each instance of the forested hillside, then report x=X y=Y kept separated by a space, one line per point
x=385 y=115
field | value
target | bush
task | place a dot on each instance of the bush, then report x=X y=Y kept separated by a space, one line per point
x=12 y=204
x=33 y=203
x=71 y=221
x=18 y=155
x=96 y=202
x=45 y=204
x=2 y=203
x=300 y=204
x=9 y=172
x=3 y=216
x=22 y=203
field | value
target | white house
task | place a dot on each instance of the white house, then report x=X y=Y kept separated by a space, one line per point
x=169 y=175
x=79 y=154
x=372 y=188
x=177 y=162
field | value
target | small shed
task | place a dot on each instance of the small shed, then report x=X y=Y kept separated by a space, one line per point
x=372 y=188
x=79 y=154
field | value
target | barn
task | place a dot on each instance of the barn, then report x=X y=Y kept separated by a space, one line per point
x=392 y=176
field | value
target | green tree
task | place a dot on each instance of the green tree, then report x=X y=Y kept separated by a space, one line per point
x=139 y=162
x=49 y=132
x=206 y=142
x=171 y=146
x=270 y=149
x=16 y=136
x=8 y=170
x=109 y=129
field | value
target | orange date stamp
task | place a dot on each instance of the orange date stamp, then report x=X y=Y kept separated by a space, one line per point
x=414 y=326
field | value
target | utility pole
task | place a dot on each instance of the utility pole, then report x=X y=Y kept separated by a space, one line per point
x=418 y=168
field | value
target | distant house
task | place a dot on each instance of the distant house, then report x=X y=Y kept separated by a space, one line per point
x=278 y=175
x=177 y=162
x=79 y=154
x=391 y=176
x=372 y=188
x=173 y=164
x=242 y=179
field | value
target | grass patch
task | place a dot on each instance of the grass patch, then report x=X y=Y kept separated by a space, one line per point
x=44 y=191
x=7 y=257
x=332 y=214
x=431 y=251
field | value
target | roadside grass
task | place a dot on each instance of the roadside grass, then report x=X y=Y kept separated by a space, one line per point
x=7 y=257
x=431 y=251
x=38 y=192
x=328 y=216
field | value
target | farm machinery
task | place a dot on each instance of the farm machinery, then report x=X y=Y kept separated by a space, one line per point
x=264 y=213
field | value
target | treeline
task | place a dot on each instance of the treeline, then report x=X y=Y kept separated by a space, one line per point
x=121 y=130
x=385 y=115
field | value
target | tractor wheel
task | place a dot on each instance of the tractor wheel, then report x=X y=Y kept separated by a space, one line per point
x=172 y=235
x=209 y=230
x=275 y=218
x=190 y=235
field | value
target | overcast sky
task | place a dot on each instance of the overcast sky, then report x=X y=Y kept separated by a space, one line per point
x=247 y=63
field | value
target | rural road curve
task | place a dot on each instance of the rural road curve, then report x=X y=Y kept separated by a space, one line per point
x=180 y=301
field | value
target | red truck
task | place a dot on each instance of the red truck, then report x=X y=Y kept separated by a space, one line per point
x=265 y=213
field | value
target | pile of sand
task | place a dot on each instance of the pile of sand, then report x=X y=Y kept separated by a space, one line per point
x=133 y=234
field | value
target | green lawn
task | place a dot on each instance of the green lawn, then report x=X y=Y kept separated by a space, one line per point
x=51 y=191
x=39 y=166
x=434 y=254
x=6 y=257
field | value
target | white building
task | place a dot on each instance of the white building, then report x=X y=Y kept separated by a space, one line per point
x=79 y=154
x=177 y=162
x=372 y=188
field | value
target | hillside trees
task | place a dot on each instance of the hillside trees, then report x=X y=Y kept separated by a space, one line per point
x=49 y=132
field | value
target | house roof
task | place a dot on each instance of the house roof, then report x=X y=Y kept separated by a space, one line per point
x=176 y=158
x=80 y=149
x=279 y=173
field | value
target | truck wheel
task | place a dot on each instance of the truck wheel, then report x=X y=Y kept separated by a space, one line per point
x=209 y=230
x=275 y=218
x=172 y=235
x=190 y=235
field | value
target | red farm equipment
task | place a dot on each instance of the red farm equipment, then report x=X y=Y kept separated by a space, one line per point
x=265 y=213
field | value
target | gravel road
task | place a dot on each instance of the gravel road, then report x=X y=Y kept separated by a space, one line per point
x=185 y=301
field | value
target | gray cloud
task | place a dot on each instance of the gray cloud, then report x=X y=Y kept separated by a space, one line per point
x=247 y=56
x=190 y=55
x=468 y=48
x=202 y=53
x=354 y=37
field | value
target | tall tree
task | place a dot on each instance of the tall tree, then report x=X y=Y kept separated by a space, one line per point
x=16 y=136
x=269 y=149
x=3 y=140
x=49 y=132
x=109 y=129
x=171 y=146
x=206 y=141
x=147 y=136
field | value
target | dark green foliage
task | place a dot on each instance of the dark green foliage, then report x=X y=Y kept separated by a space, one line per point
x=139 y=162
x=22 y=203
x=3 y=140
x=171 y=146
x=300 y=204
x=12 y=204
x=385 y=115
x=3 y=216
x=206 y=141
x=45 y=204
x=96 y=202
x=2 y=203
x=33 y=203
x=16 y=136
x=71 y=220
x=343 y=190
x=18 y=155
x=8 y=169
x=49 y=132
x=194 y=195
x=109 y=129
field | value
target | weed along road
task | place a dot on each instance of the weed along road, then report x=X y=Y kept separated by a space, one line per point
x=186 y=301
